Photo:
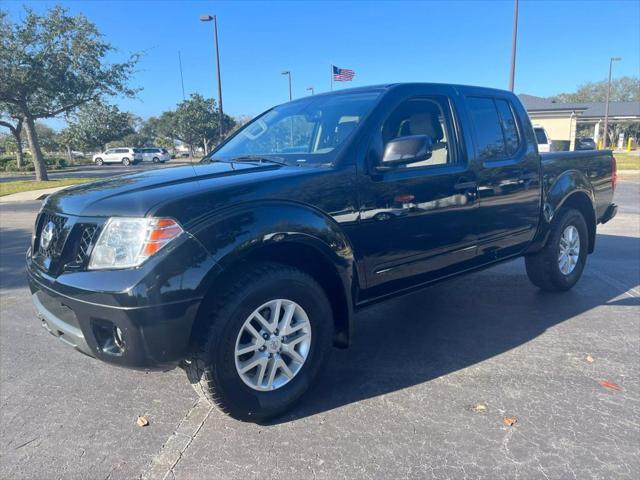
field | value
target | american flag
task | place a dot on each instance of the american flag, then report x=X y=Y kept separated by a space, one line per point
x=342 y=74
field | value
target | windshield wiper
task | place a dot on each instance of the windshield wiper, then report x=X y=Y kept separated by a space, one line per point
x=259 y=159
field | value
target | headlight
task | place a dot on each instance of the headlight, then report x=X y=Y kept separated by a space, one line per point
x=127 y=242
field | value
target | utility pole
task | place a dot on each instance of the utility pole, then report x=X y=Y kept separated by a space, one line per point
x=181 y=77
x=512 y=74
x=606 y=104
x=288 y=73
x=209 y=18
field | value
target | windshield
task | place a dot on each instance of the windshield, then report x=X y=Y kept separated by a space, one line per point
x=305 y=130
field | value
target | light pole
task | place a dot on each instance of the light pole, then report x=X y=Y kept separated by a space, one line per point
x=310 y=89
x=208 y=18
x=606 y=104
x=288 y=73
x=512 y=74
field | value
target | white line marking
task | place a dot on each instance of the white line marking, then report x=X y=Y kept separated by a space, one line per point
x=162 y=465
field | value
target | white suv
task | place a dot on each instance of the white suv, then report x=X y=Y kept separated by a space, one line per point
x=544 y=141
x=125 y=156
x=155 y=155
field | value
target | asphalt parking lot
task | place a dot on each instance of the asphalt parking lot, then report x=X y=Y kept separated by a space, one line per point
x=90 y=171
x=423 y=392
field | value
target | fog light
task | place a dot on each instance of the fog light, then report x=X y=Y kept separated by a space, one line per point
x=117 y=337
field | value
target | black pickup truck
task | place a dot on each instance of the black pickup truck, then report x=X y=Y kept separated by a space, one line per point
x=245 y=269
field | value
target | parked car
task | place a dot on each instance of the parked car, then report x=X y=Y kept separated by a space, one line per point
x=155 y=155
x=585 y=144
x=125 y=156
x=245 y=269
x=543 y=139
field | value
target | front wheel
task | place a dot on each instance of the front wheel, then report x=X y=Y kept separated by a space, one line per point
x=559 y=265
x=126 y=162
x=99 y=162
x=156 y=160
x=270 y=332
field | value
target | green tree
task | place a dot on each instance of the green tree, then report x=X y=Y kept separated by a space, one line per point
x=50 y=65
x=195 y=122
x=48 y=137
x=624 y=89
x=96 y=124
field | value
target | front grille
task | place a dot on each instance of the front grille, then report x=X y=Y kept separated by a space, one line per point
x=51 y=235
x=85 y=244
x=63 y=242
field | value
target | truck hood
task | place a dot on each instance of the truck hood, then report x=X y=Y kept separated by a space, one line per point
x=136 y=194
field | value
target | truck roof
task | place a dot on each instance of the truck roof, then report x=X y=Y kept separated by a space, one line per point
x=390 y=86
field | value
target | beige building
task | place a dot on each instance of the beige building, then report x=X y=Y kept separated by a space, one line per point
x=561 y=120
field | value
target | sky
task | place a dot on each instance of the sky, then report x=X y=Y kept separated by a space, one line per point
x=561 y=44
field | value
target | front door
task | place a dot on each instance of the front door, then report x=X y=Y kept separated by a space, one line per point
x=416 y=220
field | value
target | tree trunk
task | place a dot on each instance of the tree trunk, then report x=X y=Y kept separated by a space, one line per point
x=206 y=146
x=69 y=154
x=19 y=153
x=36 y=153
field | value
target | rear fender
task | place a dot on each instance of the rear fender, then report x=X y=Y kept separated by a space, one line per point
x=557 y=191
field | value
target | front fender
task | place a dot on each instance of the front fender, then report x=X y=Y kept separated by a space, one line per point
x=235 y=233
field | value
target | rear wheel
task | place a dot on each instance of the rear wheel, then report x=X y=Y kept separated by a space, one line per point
x=99 y=162
x=126 y=162
x=559 y=265
x=270 y=332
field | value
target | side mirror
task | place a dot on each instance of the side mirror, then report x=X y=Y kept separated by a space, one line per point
x=404 y=150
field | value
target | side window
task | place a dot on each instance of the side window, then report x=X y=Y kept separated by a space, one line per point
x=509 y=126
x=109 y=152
x=421 y=116
x=486 y=122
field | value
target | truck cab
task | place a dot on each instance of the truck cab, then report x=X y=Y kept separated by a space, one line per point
x=246 y=269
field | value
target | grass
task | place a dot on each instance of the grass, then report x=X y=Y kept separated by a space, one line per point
x=7 y=188
x=627 y=161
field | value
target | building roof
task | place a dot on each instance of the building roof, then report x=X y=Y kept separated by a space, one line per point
x=585 y=109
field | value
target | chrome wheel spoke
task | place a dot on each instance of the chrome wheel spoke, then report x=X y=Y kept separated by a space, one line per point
x=569 y=250
x=247 y=349
x=272 y=347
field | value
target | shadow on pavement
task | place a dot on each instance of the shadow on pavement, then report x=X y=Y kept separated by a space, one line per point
x=14 y=243
x=451 y=326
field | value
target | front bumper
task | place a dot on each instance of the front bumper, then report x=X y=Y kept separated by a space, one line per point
x=149 y=336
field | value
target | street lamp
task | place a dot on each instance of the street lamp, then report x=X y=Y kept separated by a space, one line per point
x=310 y=89
x=512 y=73
x=209 y=18
x=606 y=105
x=288 y=73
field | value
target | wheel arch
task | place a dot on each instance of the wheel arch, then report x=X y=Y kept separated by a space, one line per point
x=570 y=189
x=305 y=239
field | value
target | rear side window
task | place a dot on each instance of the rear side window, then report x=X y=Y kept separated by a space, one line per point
x=509 y=127
x=495 y=126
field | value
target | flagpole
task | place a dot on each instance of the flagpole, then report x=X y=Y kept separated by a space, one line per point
x=331 y=77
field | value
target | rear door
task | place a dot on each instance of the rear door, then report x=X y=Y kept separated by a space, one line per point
x=508 y=168
x=110 y=155
x=416 y=220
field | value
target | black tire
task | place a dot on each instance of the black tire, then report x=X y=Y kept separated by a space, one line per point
x=212 y=371
x=156 y=160
x=543 y=267
x=99 y=162
x=126 y=162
